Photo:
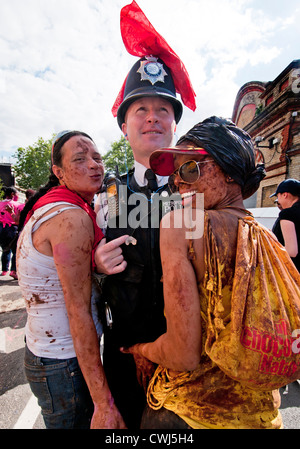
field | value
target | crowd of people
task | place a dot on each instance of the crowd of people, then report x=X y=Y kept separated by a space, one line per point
x=159 y=296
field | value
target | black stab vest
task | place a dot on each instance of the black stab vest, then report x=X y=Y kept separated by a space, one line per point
x=135 y=296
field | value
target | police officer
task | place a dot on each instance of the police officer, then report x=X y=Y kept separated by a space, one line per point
x=134 y=297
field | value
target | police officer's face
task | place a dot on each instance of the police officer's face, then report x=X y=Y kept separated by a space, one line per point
x=149 y=125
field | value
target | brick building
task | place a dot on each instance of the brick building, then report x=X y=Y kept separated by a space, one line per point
x=270 y=113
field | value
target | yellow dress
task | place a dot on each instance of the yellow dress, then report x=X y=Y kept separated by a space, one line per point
x=207 y=397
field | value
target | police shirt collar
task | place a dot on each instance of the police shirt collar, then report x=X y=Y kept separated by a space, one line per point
x=139 y=174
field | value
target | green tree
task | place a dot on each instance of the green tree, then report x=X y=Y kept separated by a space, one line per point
x=32 y=168
x=119 y=155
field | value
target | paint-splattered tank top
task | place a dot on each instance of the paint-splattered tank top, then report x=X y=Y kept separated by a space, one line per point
x=47 y=328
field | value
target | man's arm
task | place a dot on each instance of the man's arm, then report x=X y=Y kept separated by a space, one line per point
x=71 y=243
x=290 y=237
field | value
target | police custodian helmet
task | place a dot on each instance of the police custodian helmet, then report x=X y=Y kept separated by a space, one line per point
x=149 y=77
x=159 y=72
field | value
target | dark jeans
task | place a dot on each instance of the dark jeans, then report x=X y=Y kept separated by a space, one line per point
x=7 y=234
x=61 y=391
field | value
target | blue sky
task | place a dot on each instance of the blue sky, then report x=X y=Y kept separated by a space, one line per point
x=62 y=62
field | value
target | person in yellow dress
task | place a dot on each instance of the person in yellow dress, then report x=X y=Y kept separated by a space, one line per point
x=189 y=390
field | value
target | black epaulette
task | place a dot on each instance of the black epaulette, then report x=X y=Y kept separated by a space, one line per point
x=123 y=177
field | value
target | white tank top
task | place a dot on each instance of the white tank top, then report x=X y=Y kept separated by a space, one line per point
x=47 y=328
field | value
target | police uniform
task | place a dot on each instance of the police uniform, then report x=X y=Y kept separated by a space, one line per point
x=135 y=301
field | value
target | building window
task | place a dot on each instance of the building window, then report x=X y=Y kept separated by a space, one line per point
x=266 y=201
x=269 y=100
x=284 y=85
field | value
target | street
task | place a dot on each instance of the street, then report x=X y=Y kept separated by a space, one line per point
x=18 y=407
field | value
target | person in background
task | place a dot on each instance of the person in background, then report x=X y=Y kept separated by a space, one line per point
x=287 y=226
x=55 y=261
x=15 y=211
x=8 y=230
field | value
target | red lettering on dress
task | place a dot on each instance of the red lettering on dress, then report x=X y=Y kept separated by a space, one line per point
x=287 y=347
x=244 y=337
x=256 y=340
x=265 y=365
x=276 y=351
x=282 y=368
x=267 y=343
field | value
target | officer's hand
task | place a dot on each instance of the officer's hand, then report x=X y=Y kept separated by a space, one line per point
x=108 y=256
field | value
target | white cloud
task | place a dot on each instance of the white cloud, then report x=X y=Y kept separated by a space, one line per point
x=63 y=61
